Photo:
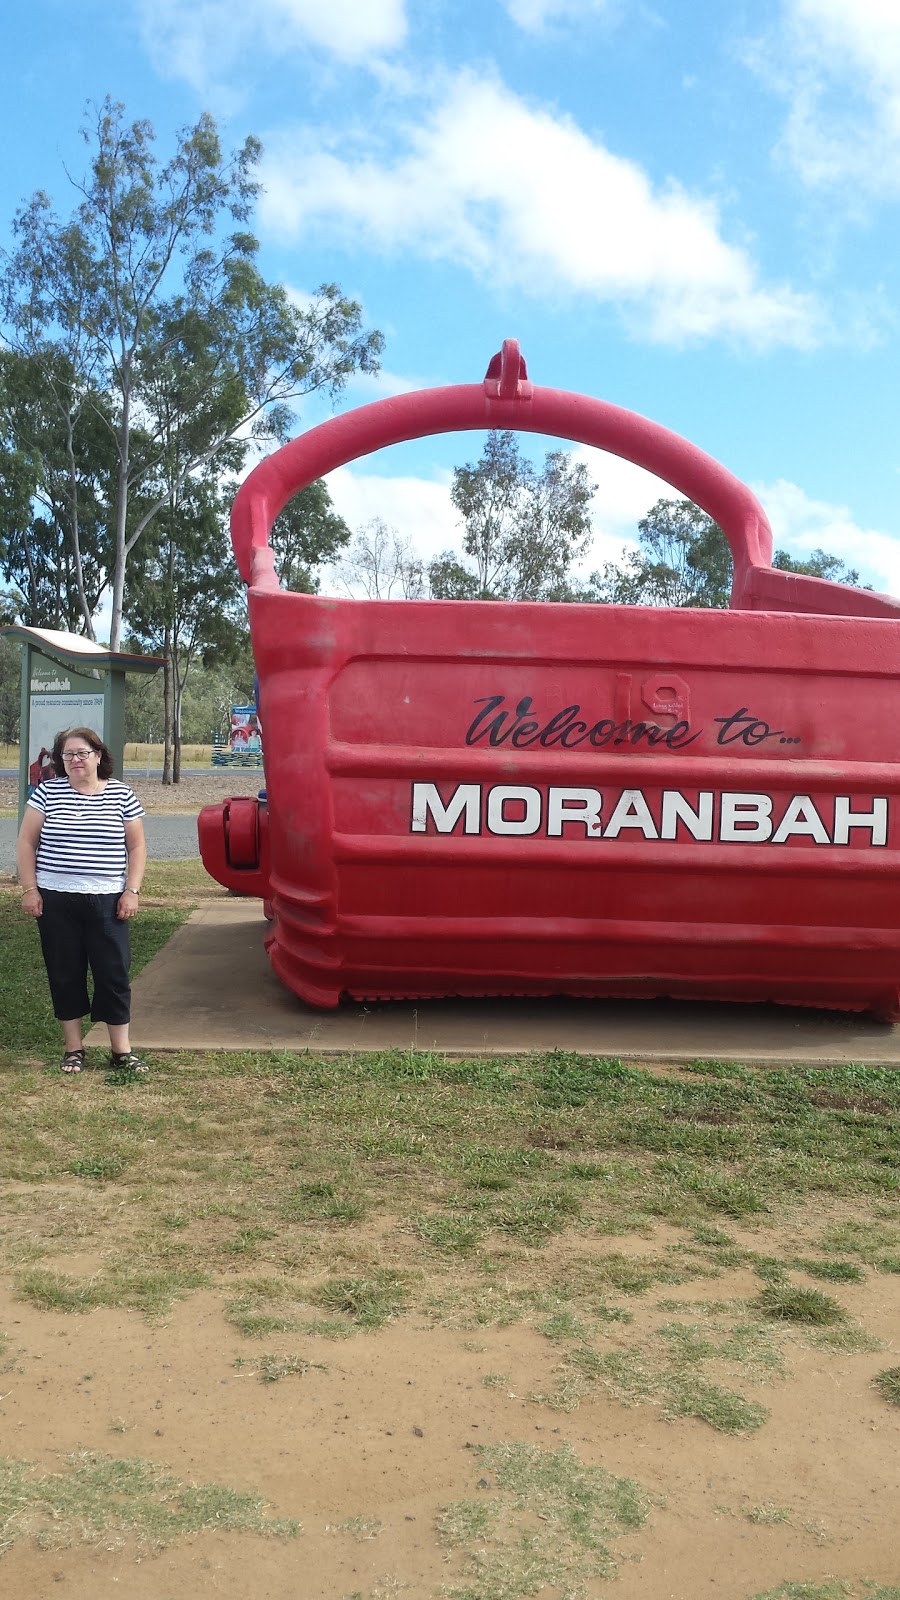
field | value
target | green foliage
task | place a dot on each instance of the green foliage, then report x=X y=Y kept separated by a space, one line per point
x=832 y=1271
x=549 y=1523
x=767 y=1515
x=721 y=1408
x=888 y=1384
x=458 y=1235
x=844 y=1338
x=185 y=594
x=149 y=296
x=359 y=1528
x=152 y=1293
x=307 y=534
x=522 y=529
x=370 y=1302
x=667 y=1369
x=57 y=465
x=836 y=1590
x=217 y=681
x=683 y=560
x=98 y=1499
x=568 y=1079
x=465 y=1177
x=871 y=1240
x=786 y=1303
x=103 y=1166
x=562 y=1325
x=245 y=1315
x=272 y=1368
x=819 y=565
x=10 y=690
x=325 y=1203
x=448 y=579
x=536 y=1218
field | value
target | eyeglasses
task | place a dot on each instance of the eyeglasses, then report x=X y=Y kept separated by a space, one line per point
x=77 y=755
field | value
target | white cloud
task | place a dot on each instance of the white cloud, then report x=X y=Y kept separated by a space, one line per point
x=303 y=300
x=534 y=15
x=522 y=197
x=365 y=386
x=419 y=508
x=625 y=492
x=801 y=525
x=204 y=41
x=837 y=62
x=624 y=495
x=850 y=34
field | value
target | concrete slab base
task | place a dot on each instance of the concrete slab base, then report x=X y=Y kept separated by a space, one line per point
x=211 y=988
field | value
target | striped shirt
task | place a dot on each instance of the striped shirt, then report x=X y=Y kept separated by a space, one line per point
x=82 y=843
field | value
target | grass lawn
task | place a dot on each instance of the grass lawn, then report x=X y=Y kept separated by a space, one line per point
x=306 y=1171
x=323 y=1196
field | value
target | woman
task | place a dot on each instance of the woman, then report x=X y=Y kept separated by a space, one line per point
x=80 y=857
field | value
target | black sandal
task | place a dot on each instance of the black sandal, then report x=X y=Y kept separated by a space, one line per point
x=127 y=1061
x=72 y=1061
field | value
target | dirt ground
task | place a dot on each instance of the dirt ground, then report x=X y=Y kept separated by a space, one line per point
x=381 y=1430
x=196 y=789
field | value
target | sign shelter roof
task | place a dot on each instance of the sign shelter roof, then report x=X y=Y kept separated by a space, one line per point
x=73 y=650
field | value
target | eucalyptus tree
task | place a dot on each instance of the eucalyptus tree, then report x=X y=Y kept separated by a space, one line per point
x=56 y=470
x=156 y=261
x=186 y=598
x=184 y=588
x=308 y=534
x=522 y=528
x=381 y=564
x=10 y=685
x=683 y=559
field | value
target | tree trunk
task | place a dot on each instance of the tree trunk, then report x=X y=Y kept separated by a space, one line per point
x=167 y=707
x=34 y=617
x=74 y=531
x=118 y=589
x=176 y=759
x=178 y=685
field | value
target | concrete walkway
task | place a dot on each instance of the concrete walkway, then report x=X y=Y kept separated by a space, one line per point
x=211 y=988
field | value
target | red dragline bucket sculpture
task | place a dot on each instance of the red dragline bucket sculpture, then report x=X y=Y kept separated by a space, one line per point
x=484 y=798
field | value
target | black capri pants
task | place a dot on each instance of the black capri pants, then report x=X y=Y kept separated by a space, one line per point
x=79 y=931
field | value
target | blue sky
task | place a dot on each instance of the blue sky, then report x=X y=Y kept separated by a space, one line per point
x=685 y=207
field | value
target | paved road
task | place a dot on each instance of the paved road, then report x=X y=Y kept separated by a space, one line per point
x=168 y=839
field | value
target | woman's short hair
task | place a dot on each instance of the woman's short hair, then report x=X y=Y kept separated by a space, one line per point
x=104 y=765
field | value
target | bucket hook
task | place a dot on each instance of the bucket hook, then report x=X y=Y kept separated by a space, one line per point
x=507 y=375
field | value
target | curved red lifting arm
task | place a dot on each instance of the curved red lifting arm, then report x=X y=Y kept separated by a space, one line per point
x=504 y=400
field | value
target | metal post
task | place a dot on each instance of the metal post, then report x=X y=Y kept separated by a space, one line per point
x=24 y=727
